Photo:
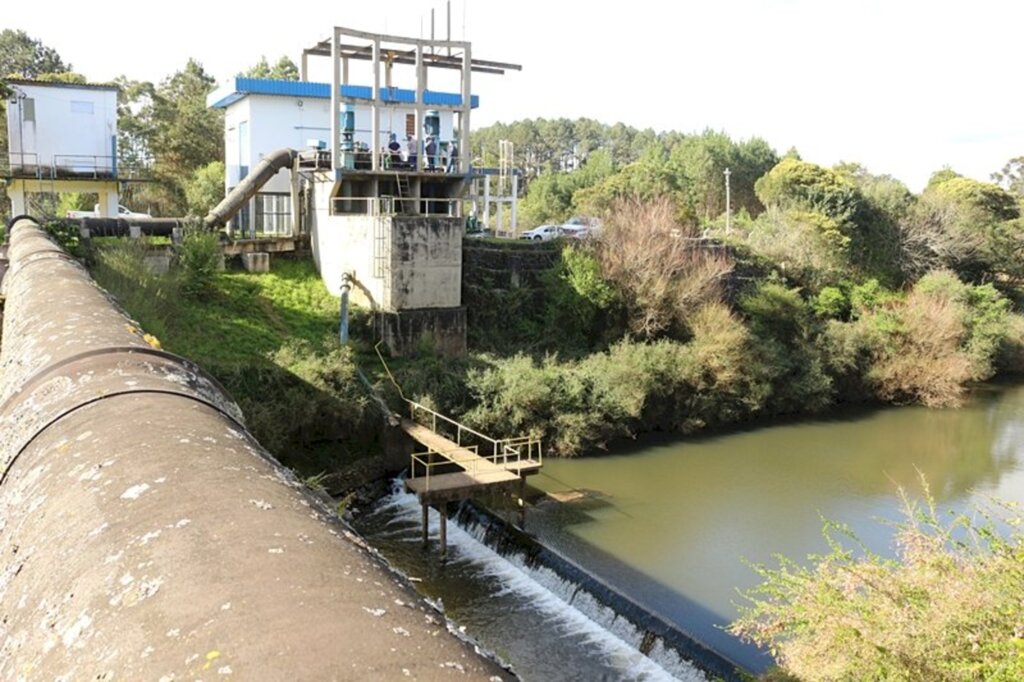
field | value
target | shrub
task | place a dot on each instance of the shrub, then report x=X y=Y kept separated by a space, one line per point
x=920 y=359
x=663 y=385
x=581 y=309
x=305 y=404
x=832 y=302
x=948 y=607
x=198 y=258
x=120 y=268
x=786 y=348
x=924 y=348
x=659 y=275
x=67 y=234
x=809 y=246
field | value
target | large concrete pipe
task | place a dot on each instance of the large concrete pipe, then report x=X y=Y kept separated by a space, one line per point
x=145 y=535
x=247 y=188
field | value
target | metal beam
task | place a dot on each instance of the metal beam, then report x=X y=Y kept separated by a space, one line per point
x=335 y=104
x=453 y=61
x=467 y=107
x=375 y=111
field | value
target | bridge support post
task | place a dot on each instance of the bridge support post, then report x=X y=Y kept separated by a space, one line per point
x=426 y=524
x=443 y=508
x=521 y=501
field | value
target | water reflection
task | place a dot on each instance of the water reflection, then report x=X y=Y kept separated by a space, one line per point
x=685 y=514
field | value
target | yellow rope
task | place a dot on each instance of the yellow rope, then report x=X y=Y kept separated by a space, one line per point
x=388 y=370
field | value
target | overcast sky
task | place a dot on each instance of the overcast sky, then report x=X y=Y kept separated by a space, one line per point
x=904 y=87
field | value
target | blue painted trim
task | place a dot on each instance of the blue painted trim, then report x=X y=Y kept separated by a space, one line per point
x=241 y=87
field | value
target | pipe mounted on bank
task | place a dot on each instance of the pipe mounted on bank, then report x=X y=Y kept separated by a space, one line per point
x=145 y=534
x=267 y=168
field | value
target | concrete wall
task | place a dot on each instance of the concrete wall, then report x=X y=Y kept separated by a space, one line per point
x=426 y=262
x=420 y=264
x=234 y=155
x=345 y=244
x=405 y=332
x=69 y=122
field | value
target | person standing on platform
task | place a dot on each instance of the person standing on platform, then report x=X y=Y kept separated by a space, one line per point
x=395 y=151
x=412 y=152
x=431 y=152
x=453 y=158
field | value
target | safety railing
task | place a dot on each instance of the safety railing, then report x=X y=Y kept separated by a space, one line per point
x=83 y=164
x=515 y=451
x=426 y=462
x=508 y=453
x=392 y=205
x=28 y=164
x=19 y=162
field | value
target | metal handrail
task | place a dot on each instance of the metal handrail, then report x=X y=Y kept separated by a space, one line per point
x=460 y=428
x=502 y=451
x=387 y=205
x=424 y=459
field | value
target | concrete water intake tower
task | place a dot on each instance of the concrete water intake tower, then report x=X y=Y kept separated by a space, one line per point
x=382 y=197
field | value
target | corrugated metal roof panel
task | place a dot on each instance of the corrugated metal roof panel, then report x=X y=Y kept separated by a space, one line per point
x=240 y=87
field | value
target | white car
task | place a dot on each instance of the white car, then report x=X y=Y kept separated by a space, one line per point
x=122 y=212
x=543 y=233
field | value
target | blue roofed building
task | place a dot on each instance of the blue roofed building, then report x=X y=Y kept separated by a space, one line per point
x=262 y=115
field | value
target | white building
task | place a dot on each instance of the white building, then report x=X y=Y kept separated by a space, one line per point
x=62 y=138
x=262 y=116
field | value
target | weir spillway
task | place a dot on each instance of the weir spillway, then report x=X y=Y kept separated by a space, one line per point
x=145 y=534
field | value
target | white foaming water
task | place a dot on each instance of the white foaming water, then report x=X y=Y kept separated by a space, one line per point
x=565 y=609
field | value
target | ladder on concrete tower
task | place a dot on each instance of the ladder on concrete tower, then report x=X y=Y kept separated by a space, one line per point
x=402 y=183
x=382 y=255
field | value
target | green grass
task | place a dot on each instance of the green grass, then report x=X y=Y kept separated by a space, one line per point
x=252 y=315
x=271 y=340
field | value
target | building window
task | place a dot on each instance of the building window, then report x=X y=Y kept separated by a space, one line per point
x=273 y=213
x=410 y=125
x=28 y=110
x=79 y=107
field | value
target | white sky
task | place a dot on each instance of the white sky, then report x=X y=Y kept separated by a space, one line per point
x=903 y=87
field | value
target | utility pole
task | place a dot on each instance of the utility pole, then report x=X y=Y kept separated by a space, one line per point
x=728 y=204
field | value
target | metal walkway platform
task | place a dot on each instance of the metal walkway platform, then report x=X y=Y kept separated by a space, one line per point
x=460 y=462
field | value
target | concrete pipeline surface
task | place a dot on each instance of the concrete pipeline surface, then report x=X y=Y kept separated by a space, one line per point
x=146 y=535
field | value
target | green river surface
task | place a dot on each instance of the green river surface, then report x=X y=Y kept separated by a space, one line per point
x=671 y=522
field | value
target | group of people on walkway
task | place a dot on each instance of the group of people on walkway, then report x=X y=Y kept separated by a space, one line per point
x=397 y=155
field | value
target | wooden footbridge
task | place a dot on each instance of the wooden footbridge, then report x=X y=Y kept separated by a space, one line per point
x=460 y=462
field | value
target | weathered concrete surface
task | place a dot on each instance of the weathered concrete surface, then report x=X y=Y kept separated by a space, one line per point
x=399 y=262
x=145 y=535
x=257 y=261
x=404 y=332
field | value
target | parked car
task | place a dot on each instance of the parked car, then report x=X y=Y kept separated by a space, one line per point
x=122 y=212
x=574 y=231
x=543 y=233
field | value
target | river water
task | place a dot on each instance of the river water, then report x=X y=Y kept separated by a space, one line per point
x=671 y=524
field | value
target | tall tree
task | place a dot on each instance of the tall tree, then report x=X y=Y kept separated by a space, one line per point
x=284 y=69
x=180 y=132
x=22 y=56
x=1012 y=177
x=134 y=127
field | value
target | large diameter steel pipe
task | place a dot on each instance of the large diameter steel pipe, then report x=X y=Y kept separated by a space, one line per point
x=144 y=534
x=267 y=168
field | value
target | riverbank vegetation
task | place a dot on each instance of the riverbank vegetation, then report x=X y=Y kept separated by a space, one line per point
x=947 y=607
x=830 y=286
